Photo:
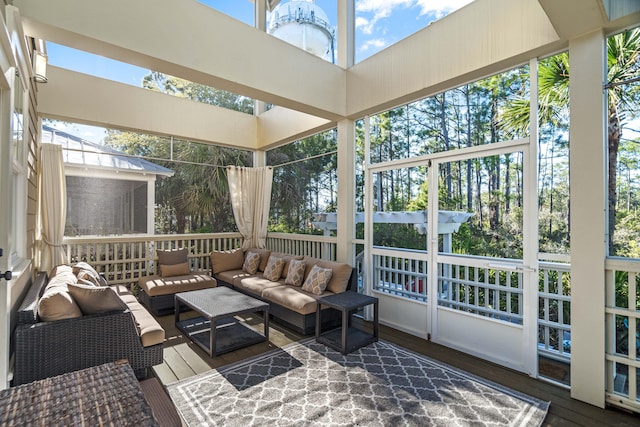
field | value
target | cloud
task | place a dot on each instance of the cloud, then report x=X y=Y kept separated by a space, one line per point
x=440 y=8
x=364 y=25
x=373 y=43
x=381 y=9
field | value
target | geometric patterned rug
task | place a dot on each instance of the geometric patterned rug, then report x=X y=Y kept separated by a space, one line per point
x=382 y=384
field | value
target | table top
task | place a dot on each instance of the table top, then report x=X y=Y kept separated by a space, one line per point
x=220 y=301
x=106 y=395
x=347 y=300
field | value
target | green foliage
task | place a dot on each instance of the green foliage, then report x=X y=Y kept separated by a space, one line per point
x=196 y=197
x=305 y=184
x=399 y=236
x=197 y=92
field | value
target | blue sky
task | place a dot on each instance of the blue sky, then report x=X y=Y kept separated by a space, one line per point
x=379 y=23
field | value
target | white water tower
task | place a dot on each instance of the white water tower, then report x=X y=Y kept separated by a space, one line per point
x=302 y=23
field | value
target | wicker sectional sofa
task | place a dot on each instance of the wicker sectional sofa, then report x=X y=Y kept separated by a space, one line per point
x=66 y=324
x=289 y=304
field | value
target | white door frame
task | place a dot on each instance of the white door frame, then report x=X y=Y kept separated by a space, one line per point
x=502 y=342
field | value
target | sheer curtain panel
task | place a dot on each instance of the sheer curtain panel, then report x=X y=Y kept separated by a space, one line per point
x=53 y=207
x=250 y=193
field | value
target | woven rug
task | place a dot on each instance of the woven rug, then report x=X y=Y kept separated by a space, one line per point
x=382 y=384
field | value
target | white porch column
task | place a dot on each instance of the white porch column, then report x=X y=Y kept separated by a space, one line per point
x=260 y=22
x=588 y=217
x=260 y=14
x=259 y=158
x=346 y=34
x=151 y=206
x=346 y=190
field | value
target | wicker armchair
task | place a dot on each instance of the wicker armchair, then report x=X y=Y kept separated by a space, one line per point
x=45 y=349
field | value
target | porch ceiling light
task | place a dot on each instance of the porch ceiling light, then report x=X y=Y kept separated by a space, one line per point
x=39 y=67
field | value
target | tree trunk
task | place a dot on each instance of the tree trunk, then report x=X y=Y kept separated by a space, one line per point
x=445 y=139
x=469 y=144
x=614 y=142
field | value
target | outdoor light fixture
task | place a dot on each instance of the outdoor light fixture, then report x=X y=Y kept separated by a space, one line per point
x=39 y=67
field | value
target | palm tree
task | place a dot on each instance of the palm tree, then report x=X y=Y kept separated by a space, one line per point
x=623 y=60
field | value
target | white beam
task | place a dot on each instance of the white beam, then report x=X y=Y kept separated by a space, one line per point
x=90 y=100
x=588 y=223
x=346 y=33
x=193 y=41
x=563 y=16
x=279 y=126
x=482 y=38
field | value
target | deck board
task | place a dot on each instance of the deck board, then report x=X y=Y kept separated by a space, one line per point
x=184 y=359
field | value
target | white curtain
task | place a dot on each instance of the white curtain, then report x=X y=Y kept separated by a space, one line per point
x=53 y=207
x=250 y=193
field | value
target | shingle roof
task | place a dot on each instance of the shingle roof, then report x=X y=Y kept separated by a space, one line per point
x=80 y=152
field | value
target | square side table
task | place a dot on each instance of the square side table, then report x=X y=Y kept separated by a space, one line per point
x=346 y=338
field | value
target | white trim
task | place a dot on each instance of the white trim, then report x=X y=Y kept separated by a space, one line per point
x=459 y=154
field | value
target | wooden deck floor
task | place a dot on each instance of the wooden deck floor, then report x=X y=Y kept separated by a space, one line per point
x=183 y=359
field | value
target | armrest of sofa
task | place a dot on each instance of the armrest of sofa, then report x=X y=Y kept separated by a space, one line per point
x=28 y=310
x=45 y=349
x=353 y=281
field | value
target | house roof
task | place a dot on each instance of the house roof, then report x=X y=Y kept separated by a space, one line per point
x=79 y=152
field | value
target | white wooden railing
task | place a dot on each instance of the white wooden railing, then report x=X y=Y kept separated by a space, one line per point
x=622 y=324
x=322 y=247
x=554 y=310
x=123 y=259
x=480 y=286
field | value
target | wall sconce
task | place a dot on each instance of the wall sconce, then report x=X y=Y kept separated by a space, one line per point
x=39 y=67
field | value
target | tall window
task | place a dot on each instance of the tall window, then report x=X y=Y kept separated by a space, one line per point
x=18 y=156
x=623 y=139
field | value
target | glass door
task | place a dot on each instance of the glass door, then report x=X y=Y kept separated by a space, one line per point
x=483 y=289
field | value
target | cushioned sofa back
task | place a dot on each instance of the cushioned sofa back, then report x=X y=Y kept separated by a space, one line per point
x=341 y=273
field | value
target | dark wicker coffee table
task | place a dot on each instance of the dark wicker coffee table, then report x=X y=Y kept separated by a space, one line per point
x=346 y=338
x=217 y=331
x=108 y=395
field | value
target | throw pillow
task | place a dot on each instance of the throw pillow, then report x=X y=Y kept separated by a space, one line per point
x=264 y=257
x=88 y=275
x=295 y=275
x=273 y=270
x=251 y=262
x=56 y=303
x=96 y=300
x=317 y=280
x=172 y=257
x=226 y=260
x=175 y=270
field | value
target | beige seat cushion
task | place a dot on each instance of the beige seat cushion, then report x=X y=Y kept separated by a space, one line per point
x=156 y=285
x=150 y=331
x=340 y=276
x=255 y=284
x=56 y=303
x=232 y=275
x=293 y=298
